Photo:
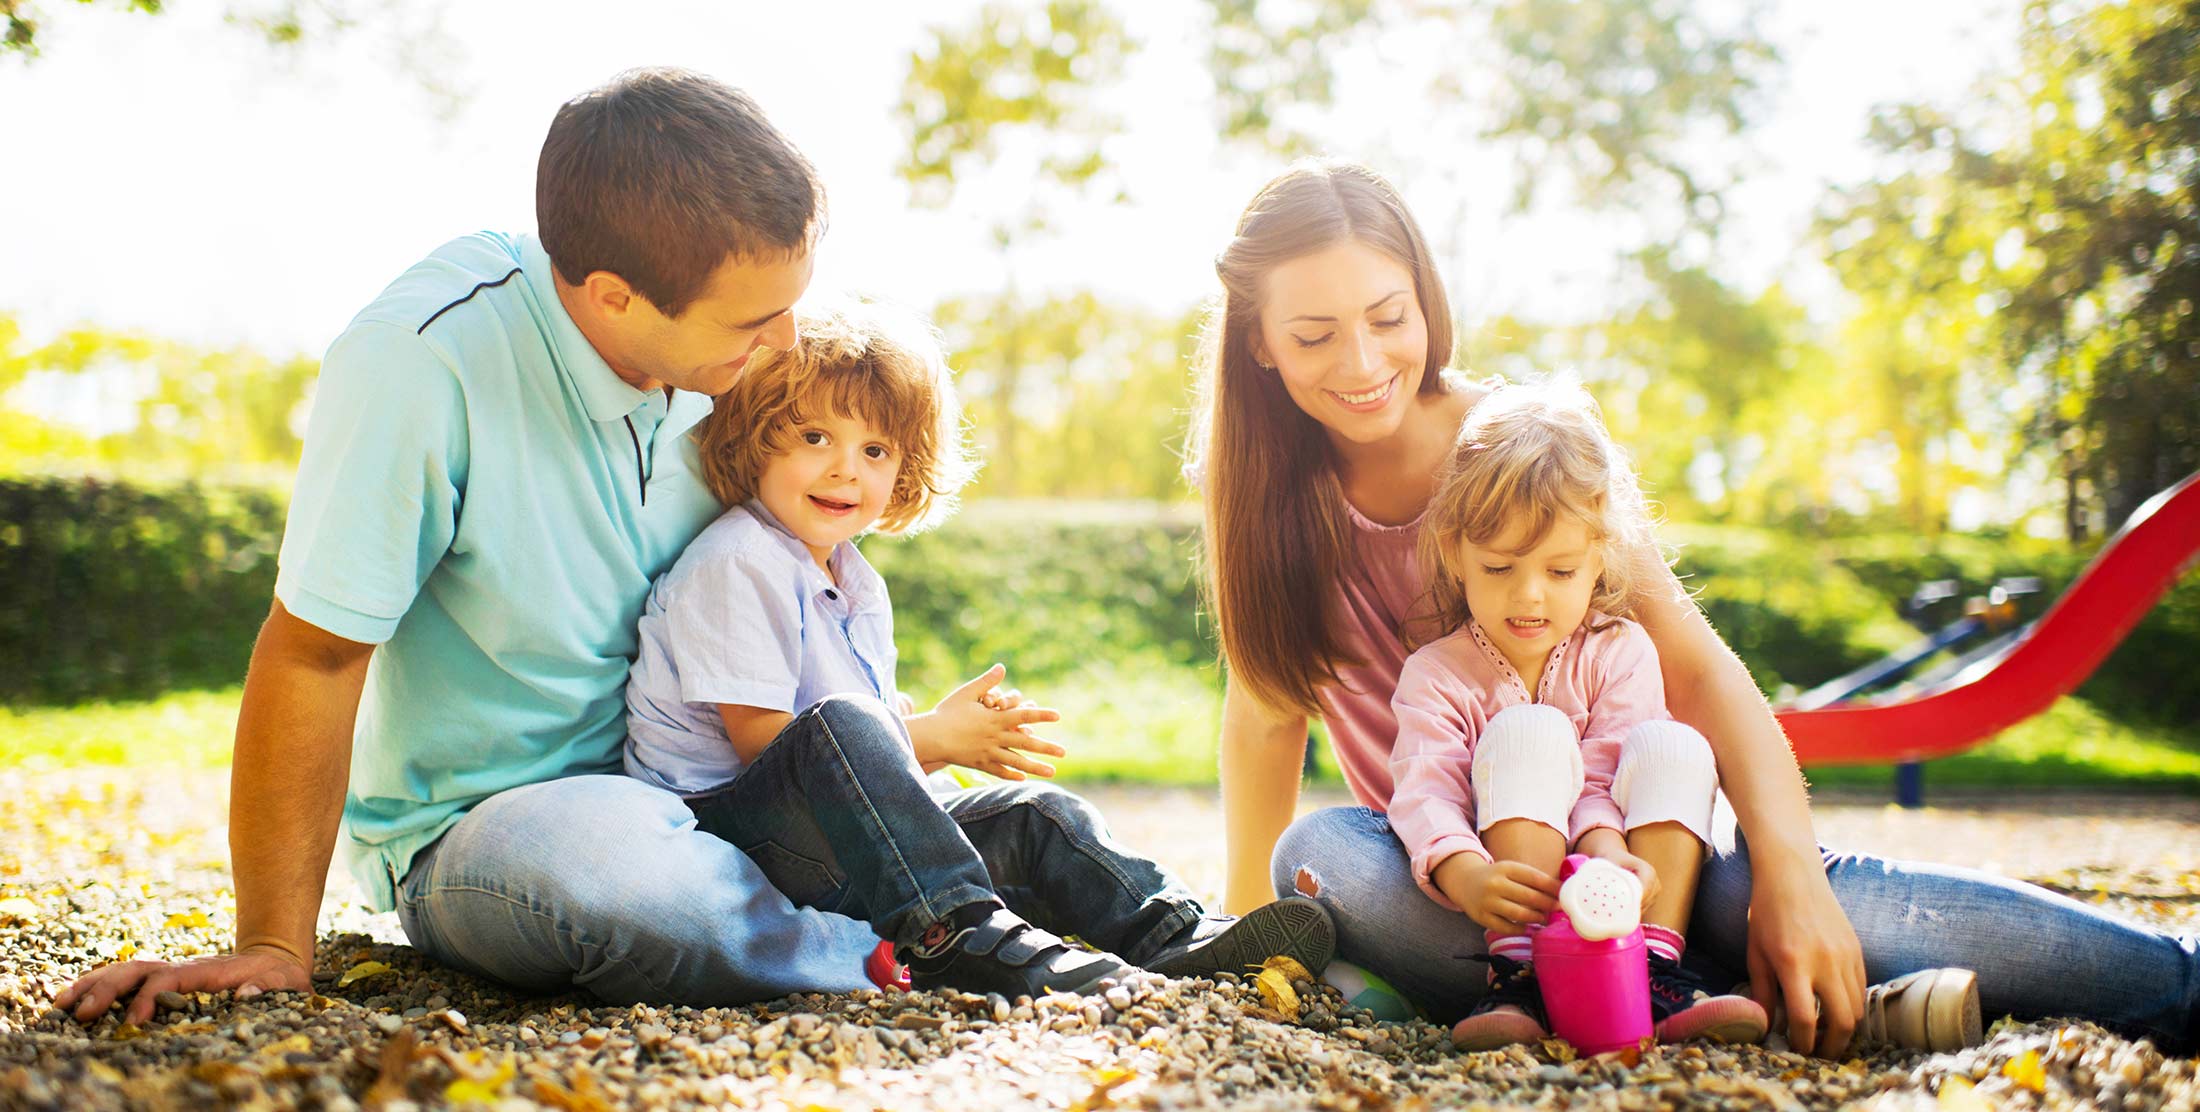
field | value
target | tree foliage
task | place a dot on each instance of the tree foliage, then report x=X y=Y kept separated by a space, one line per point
x=2048 y=245
x=154 y=405
x=1621 y=98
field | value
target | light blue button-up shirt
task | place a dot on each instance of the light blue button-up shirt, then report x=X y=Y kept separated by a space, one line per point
x=747 y=618
x=485 y=500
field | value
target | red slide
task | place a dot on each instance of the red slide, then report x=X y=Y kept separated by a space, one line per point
x=2050 y=659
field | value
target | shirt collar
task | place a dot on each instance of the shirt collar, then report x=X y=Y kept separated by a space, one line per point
x=605 y=395
x=857 y=579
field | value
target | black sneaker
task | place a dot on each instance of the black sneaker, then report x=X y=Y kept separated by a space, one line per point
x=1683 y=1008
x=1002 y=953
x=1511 y=1012
x=1295 y=927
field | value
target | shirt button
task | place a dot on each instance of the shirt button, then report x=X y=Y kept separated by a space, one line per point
x=832 y=594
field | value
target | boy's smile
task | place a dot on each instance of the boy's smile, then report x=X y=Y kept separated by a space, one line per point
x=832 y=484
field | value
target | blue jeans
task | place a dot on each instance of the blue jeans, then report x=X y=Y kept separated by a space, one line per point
x=2036 y=953
x=603 y=884
x=838 y=815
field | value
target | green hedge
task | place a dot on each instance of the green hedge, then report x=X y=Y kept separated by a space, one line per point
x=114 y=590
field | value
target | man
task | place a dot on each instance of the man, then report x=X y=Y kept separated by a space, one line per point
x=495 y=470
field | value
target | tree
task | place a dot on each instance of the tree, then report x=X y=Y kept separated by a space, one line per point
x=411 y=30
x=1036 y=75
x=171 y=406
x=1621 y=98
x=2058 y=230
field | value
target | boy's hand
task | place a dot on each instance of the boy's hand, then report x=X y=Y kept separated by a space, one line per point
x=1504 y=896
x=977 y=726
x=1609 y=845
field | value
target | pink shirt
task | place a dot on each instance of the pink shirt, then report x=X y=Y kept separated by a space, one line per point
x=1604 y=680
x=1380 y=589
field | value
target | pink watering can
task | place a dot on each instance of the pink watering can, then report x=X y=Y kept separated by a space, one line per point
x=1590 y=959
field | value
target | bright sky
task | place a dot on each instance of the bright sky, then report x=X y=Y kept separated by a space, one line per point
x=172 y=174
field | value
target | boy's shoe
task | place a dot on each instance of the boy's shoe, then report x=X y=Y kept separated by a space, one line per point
x=1002 y=953
x=1511 y=1012
x=1683 y=1008
x=1931 y=1009
x=1296 y=927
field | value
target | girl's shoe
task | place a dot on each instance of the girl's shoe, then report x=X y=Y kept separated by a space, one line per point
x=1684 y=1009
x=1931 y=1009
x=1511 y=1012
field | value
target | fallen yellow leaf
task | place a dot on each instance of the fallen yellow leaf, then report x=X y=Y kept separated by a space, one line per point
x=192 y=918
x=2026 y=1071
x=485 y=1090
x=1288 y=966
x=1956 y=1095
x=361 y=972
x=1276 y=989
x=298 y=1044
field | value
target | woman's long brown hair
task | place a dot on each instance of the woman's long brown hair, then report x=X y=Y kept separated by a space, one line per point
x=1277 y=534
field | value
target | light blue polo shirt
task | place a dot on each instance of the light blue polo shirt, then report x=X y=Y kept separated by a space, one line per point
x=485 y=500
x=747 y=618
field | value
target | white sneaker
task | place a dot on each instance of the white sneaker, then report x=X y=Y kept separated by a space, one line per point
x=1931 y=1009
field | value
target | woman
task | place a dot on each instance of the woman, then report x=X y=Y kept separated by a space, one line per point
x=1324 y=411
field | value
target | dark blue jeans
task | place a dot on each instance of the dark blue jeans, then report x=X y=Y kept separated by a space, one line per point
x=838 y=815
x=2036 y=953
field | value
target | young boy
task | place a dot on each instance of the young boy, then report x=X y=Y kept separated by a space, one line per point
x=764 y=694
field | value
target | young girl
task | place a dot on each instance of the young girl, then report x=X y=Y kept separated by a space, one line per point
x=1538 y=725
x=764 y=693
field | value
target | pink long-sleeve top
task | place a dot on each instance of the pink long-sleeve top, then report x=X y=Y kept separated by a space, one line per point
x=1604 y=679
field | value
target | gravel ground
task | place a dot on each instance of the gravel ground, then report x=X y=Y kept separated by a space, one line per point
x=96 y=865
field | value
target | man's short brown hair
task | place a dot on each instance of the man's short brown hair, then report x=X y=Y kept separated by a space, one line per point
x=662 y=175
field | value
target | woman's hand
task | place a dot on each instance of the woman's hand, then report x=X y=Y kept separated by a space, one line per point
x=981 y=728
x=1804 y=953
x=1504 y=896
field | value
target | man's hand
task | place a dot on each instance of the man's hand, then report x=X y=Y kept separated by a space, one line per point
x=1803 y=952
x=1504 y=896
x=977 y=727
x=248 y=973
x=286 y=797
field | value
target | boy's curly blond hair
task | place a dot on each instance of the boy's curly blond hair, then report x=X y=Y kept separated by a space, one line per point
x=855 y=359
x=1528 y=454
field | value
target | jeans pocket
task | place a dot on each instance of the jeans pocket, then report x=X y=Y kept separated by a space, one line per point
x=804 y=880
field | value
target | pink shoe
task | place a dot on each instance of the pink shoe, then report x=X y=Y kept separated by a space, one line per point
x=1685 y=1009
x=1510 y=1013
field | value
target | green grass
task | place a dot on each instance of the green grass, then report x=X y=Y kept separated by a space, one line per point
x=1146 y=721
x=191 y=729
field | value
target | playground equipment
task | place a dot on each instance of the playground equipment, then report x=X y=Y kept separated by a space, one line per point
x=2014 y=675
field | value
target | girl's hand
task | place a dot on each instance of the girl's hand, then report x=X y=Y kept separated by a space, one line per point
x=1607 y=844
x=1503 y=896
x=979 y=727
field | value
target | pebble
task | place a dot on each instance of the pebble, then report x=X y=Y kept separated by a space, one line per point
x=1191 y=1045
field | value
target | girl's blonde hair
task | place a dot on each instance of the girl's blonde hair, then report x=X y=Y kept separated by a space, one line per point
x=1525 y=456
x=861 y=360
x=1277 y=532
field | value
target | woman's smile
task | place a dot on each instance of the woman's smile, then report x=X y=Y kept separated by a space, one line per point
x=1368 y=401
